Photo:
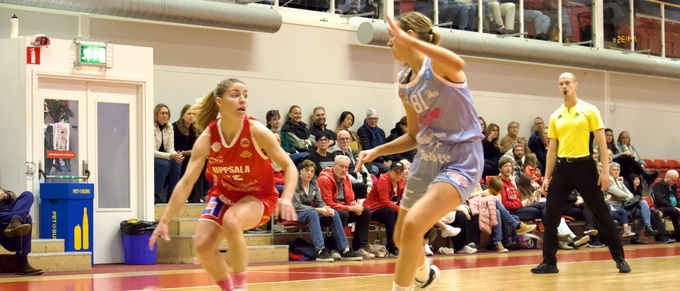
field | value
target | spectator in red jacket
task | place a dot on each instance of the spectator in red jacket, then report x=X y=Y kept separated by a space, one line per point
x=389 y=188
x=526 y=209
x=336 y=192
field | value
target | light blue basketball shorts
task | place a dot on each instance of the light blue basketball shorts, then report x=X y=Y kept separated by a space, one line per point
x=457 y=163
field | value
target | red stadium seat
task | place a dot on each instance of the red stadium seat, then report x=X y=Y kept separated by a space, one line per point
x=648 y=163
x=673 y=165
x=660 y=165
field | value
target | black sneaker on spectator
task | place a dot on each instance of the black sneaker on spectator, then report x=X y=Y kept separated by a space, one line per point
x=351 y=256
x=324 y=255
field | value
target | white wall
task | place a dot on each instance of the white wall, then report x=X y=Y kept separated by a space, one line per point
x=310 y=66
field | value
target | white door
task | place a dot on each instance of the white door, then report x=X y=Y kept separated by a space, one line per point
x=60 y=132
x=114 y=163
x=85 y=122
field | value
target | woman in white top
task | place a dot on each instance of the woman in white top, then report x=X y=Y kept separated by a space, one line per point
x=167 y=162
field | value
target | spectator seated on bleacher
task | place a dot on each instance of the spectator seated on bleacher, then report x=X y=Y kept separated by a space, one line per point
x=501 y=12
x=287 y=142
x=517 y=153
x=623 y=199
x=540 y=20
x=509 y=141
x=321 y=157
x=346 y=121
x=666 y=199
x=531 y=168
x=16 y=224
x=336 y=192
x=390 y=186
x=492 y=150
x=372 y=136
x=297 y=130
x=319 y=125
x=312 y=210
x=550 y=8
x=624 y=147
x=361 y=181
x=525 y=205
x=539 y=146
x=186 y=135
x=494 y=218
x=167 y=161
x=628 y=163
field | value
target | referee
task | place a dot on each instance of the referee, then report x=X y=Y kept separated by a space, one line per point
x=569 y=166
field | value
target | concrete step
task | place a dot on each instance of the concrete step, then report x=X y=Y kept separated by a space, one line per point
x=180 y=250
x=51 y=262
x=42 y=246
x=190 y=210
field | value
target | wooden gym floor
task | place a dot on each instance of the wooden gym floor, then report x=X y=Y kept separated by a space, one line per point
x=655 y=267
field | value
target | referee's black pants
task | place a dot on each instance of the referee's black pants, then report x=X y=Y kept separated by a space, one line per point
x=580 y=174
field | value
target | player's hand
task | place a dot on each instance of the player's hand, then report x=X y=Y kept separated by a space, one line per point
x=285 y=210
x=546 y=185
x=162 y=231
x=365 y=157
x=604 y=181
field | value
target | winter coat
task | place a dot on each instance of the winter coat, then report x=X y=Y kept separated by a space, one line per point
x=485 y=207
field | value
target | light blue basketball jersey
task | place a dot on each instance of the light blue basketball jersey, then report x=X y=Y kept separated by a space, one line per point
x=445 y=110
x=449 y=147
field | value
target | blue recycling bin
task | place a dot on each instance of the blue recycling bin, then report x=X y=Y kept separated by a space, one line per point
x=66 y=213
x=136 y=249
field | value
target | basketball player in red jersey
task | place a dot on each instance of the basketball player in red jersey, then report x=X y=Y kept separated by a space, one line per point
x=238 y=149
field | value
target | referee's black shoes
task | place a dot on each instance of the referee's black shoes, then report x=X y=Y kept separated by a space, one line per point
x=547 y=269
x=623 y=266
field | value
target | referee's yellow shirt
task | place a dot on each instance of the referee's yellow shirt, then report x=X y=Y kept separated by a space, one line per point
x=572 y=127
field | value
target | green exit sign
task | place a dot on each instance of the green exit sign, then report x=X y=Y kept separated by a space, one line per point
x=93 y=53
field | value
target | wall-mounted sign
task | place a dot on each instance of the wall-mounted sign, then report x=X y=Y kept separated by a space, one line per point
x=32 y=55
x=93 y=53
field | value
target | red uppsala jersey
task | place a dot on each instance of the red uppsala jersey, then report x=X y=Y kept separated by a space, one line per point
x=240 y=168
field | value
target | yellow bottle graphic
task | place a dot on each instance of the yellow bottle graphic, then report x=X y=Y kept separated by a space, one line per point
x=86 y=230
x=76 y=238
x=81 y=235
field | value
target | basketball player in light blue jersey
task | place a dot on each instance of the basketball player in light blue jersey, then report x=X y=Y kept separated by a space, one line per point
x=443 y=125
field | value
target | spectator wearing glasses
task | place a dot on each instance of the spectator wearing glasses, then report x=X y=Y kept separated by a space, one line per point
x=666 y=199
x=361 y=181
x=346 y=121
x=321 y=157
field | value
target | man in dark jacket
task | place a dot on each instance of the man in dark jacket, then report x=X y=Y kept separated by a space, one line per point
x=666 y=199
x=15 y=227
